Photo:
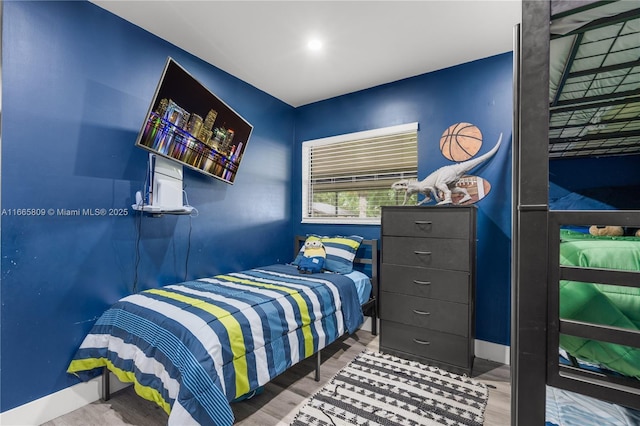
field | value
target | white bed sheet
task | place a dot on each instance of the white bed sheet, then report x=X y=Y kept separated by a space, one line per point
x=566 y=408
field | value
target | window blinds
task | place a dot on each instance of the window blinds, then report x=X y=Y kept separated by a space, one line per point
x=372 y=163
x=364 y=162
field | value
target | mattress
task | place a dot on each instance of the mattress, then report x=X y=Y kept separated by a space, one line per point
x=600 y=303
x=362 y=283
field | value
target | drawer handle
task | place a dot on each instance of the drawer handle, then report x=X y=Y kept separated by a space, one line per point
x=415 y=311
x=421 y=342
x=426 y=253
x=422 y=282
x=423 y=222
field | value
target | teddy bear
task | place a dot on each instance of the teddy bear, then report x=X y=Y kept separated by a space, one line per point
x=313 y=257
x=613 y=231
x=610 y=231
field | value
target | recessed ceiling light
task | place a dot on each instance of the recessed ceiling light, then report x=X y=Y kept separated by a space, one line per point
x=314 y=44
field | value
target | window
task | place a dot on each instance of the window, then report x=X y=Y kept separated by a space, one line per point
x=347 y=178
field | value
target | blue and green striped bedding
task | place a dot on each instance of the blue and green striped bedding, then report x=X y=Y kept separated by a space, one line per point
x=193 y=347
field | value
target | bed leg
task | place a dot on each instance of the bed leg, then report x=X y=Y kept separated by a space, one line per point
x=106 y=393
x=317 y=378
x=374 y=322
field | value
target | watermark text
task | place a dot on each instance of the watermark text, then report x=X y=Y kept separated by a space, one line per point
x=35 y=212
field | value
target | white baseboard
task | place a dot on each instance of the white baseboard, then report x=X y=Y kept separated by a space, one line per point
x=366 y=325
x=59 y=403
x=493 y=352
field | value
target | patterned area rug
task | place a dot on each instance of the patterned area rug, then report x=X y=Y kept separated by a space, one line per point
x=379 y=389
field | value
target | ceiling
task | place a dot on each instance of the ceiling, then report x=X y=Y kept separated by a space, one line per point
x=365 y=43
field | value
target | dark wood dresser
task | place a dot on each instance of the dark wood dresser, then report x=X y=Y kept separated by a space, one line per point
x=427 y=285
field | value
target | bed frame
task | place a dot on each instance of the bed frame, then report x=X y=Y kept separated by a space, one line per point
x=367 y=255
x=536 y=272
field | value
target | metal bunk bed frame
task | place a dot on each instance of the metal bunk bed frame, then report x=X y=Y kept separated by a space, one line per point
x=536 y=325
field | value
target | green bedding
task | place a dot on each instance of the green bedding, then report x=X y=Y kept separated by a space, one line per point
x=600 y=303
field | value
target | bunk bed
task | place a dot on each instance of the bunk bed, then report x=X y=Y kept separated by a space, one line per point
x=197 y=346
x=576 y=95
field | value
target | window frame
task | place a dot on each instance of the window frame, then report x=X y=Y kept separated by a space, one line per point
x=355 y=136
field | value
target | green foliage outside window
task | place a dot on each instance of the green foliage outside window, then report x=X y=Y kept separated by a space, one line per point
x=356 y=203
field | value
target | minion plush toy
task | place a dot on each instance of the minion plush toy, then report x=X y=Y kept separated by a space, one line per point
x=313 y=258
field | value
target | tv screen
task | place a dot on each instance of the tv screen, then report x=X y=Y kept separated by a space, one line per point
x=189 y=124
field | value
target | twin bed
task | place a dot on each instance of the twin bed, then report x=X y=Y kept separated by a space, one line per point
x=195 y=347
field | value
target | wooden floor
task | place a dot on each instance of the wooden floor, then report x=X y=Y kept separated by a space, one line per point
x=282 y=397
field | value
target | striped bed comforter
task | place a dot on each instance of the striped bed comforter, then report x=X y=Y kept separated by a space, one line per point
x=193 y=347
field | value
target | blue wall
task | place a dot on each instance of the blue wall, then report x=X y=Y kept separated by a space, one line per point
x=479 y=92
x=77 y=82
x=595 y=183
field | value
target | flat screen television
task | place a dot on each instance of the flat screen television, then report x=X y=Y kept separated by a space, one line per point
x=186 y=122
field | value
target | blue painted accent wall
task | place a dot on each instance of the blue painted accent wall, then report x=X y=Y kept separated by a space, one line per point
x=77 y=82
x=595 y=183
x=478 y=92
x=577 y=174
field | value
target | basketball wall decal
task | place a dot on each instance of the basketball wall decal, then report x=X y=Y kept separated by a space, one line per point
x=460 y=142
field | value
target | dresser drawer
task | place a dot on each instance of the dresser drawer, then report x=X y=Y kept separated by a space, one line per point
x=429 y=344
x=445 y=222
x=448 y=317
x=440 y=284
x=426 y=252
